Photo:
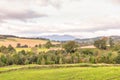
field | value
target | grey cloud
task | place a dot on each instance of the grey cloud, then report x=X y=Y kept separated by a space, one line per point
x=25 y=15
x=29 y=14
x=21 y=15
x=55 y=3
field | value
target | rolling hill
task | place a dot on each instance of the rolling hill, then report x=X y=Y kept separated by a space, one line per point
x=14 y=40
x=31 y=42
x=90 y=41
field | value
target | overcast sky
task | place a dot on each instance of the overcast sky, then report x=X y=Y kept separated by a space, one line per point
x=79 y=18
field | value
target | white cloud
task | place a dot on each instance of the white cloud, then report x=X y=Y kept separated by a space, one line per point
x=80 y=18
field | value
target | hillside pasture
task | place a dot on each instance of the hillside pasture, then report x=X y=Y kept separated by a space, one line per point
x=29 y=42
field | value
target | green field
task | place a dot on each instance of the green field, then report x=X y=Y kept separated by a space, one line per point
x=29 y=49
x=63 y=73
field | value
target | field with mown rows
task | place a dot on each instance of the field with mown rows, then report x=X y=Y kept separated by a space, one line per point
x=61 y=72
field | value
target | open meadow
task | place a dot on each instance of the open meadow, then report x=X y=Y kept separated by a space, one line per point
x=36 y=72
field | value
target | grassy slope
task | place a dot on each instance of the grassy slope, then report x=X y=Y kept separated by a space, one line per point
x=71 y=73
x=76 y=73
x=29 y=42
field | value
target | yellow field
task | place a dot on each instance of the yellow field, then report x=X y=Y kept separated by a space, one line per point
x=29 y=42
x=29 y=49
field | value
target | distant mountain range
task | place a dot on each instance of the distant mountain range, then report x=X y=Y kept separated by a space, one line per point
x=59 y=37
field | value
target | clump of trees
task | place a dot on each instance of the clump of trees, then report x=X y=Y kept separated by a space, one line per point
x=111 y=43
x=116 y=46
x=101 y=43
x=39 y=46
x=48 y=44
x=70 y=46
x=9 y=49
x=105 y=43
x=21 y=46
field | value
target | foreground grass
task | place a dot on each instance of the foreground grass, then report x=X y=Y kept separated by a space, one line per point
x=61 y=72
x=75 y=73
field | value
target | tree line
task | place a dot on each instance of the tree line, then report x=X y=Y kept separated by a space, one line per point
x=70 y=54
